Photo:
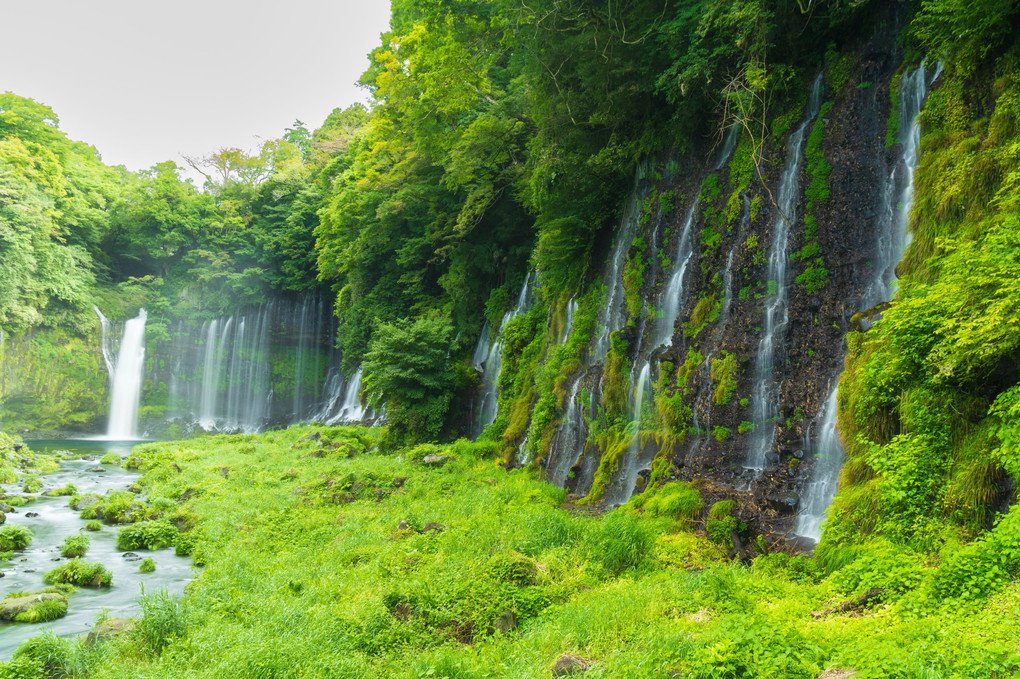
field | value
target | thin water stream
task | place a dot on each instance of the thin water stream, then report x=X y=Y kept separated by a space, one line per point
x=53 y=520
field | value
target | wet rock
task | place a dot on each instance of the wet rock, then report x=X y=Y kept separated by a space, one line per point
x=315 y=453
x=31 y=515
x=399 y=481
x=506 y=623
x=771 y=458
x=568 y=665
x=3 y=518
x=95 y=470
x=344 y=498
x=784 y=504
x=134 y=488
x=131 y=556
x=798 y=454
x=110 y=628
x=436 y=460
x=84 y=501
x=4 y=507
x=403 y=525
x=314 y=436
x=34 y=607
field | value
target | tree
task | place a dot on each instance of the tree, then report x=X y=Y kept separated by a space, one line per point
x=407 y=369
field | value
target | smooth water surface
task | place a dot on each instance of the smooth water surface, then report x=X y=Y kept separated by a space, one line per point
x=55 y=521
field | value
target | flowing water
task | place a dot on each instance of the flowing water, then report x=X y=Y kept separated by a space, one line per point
x=55 y=521
x=765 y=406
x=125 y=375
x=891 y=241
x=625 y=480
x=488 y=394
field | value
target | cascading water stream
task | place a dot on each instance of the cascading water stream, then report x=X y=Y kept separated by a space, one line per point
x=766 y=387
x=672 y=296
x=126 y=374
x=891 y=241
x=488 y=394
x=626 y=478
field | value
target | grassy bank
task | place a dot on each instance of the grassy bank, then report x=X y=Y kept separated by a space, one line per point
x=324 y=558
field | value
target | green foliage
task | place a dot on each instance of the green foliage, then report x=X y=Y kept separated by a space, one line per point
x=408 y=369
x=723 y=371
x=80 y=573
x=93 y=526
x=676 y=499
x=705 y=311
x=147 y=535
x=75 y=546
x=14 y=538
x=164 y=619
x=815 y=277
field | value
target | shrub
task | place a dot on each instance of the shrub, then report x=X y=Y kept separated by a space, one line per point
x=147 y=535
x=78 y=572
x=93 y=525
x=75 y=546
x=110 y=458
x=147 y=566
x=14 y=538
x=624 y=542
x=164 y=618
x=675 y=499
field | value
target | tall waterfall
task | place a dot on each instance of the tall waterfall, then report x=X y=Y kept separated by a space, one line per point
x=890 y=243
x=766 y=387
x=672 y=296
x=626 y=478
x=125 y=375
x=492 y=365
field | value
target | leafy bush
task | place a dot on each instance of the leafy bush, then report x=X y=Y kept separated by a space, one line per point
x=147 y=566
x=75 y=546
x=147 y=535
x=14 y=538
x=80 y=573
x=93 y=526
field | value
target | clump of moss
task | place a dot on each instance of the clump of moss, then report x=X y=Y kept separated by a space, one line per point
x=724 y=376
x=80 y=573
x=75 y=546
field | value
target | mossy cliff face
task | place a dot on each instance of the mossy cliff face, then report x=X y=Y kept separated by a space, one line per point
x=52 y=381
x=696 y=420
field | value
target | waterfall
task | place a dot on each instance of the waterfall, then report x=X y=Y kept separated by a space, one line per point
x=828 y=456
x=568 y=441
x=568 y=324
x=626 y=478
x=765 y=406
x=125 y=375
x=898 y=192
x=672 y=296
x=891 y=241
x=729 y=145
x=488 y=392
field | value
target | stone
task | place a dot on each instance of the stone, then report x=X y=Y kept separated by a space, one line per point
x=31 y=515
x=433 y=527
x=799 y=454
x=134 y=488
x=314 y=436
x=399 y=481
x=506 y=623
x=783 y=504
x=34 y=607
x=131 y=556
x=110 y=628
x=568 y=665
x=403 y=525
x=436 y=460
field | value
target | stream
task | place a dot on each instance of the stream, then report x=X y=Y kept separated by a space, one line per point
x=55 y=521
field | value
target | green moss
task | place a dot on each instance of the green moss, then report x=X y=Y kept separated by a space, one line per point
x=77 y=572
x=814 y=277
x=720 y=433
x=724 y=378
x=705 y=311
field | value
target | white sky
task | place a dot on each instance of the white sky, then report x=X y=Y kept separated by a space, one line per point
x=145 y=81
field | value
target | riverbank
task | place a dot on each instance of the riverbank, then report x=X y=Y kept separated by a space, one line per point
x=326 y=558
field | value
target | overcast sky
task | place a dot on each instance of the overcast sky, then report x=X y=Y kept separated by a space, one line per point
x=145 y=81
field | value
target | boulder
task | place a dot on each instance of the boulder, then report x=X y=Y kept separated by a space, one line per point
x=568 y=665
x=433 y=527
x=314 y=436
x=110 y=628
x=436 y=460
x=399 y=481
x=34 y=607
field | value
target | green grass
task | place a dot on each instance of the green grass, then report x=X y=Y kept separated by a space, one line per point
x=310 y=572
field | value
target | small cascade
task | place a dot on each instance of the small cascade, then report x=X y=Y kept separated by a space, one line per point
x=898 y=193
x=613 y=314
x=765 y=395
x=828 y=455
x=126 y=373
x=351 y=409
x=626 y=478
x=729 y=145
x=488 y=391
x=568 y=324
x=672 y=296
x=891 y=241
x=568 y=441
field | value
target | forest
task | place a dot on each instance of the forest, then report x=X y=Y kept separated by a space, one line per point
x=660 y=338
